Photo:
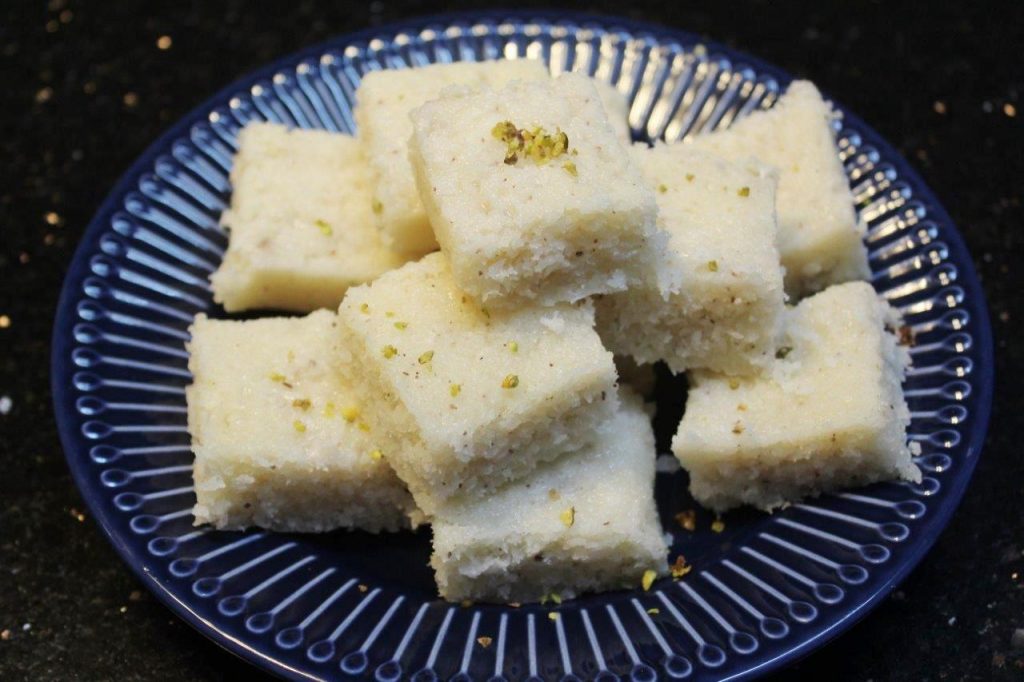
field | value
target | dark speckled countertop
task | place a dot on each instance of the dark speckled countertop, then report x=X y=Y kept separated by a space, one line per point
x=87 y=87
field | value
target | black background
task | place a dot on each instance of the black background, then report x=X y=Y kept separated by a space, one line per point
x=84 y=87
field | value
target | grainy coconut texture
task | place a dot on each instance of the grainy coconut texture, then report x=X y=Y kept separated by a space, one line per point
x=383 y=102
x=819 y=232
x=462 y=399
x=276 y=441
x=566 y=216
x=727 y=302
x=829 y=414
x=584 y=523
x=301 y=226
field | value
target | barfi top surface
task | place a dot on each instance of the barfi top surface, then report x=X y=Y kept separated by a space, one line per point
x=458 y=366
x=719 y=215
x=604 y=490
x=385 y=98
x=301 y=198
x=264 y=391
x=830 y=374
x=498 y=198
x=795 y=136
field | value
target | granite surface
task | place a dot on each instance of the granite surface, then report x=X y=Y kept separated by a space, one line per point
x=87 y=86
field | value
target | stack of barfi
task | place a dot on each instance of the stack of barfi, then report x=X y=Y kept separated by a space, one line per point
x=475 y=388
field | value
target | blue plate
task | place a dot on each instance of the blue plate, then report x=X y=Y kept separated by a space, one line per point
x=764 y=592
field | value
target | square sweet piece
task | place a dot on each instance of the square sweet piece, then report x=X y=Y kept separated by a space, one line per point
x=726 y=309
x=531 y=195
x=276 y=439
x=830 y=414
x=301 y=227
x=584 y=523
x=383 y=102
x=461 y=398
x=820 y=236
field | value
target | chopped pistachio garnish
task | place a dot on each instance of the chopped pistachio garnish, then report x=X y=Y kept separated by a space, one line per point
x=329 y=409
x=717 y=526
x=389 y=351
x=376 y=455
x=324 y=226
x=537 y=144
x=389 y=313
x=713 y=265
x=302 y=403
x=401 y=325
x=648 y=579
x=653 y=611
x=782 y=352
x=734 y=383
x=744 y=192
x=455 y=389
x=687 y=519
x=510 y=381
x=568 y=517
x=486 y=312
x=679 y=567
x=363 y=426
x=662 y=188
x=556 y=598
x=552 y=615
x=364 y=308
x=484 y=641
x=690 y=177
x=553 y=495
x=277 y=377
x=376 y=206
x=570 y=168
x=513 y=347
x=426 y=357
x=350 y=413
x=299 y=426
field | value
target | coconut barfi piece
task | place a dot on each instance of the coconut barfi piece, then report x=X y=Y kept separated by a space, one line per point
x=277 y=440
x=383 y=102
x=616 y=107
x=581 y=524
x=461 y=398
x=829 y=414
x=726 y=307
x=820 y=236
x=301 y=228
x=531 y=195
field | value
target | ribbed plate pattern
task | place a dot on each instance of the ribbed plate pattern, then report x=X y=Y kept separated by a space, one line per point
x=765 y=590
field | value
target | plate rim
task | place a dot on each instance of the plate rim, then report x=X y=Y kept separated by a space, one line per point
x=138 y=563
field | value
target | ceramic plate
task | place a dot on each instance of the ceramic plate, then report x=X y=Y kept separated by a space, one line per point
x=765 y=591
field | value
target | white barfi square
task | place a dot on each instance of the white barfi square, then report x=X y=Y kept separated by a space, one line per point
x=301 y=226
x=829 y=414
x=277 y=439
x=531 y=195
x=461 y=398
x=383 y=102
x=584 y=523
x=820 y=236
x=728 y=299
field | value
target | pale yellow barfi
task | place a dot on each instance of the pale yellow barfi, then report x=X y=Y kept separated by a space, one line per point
x=820 y=236
x=531 y=195
x=829 y=414
x=276 y=440
x=462 y=399
x=383 y=102
x=582 y=524
x=726 y=307
x=301 y=228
